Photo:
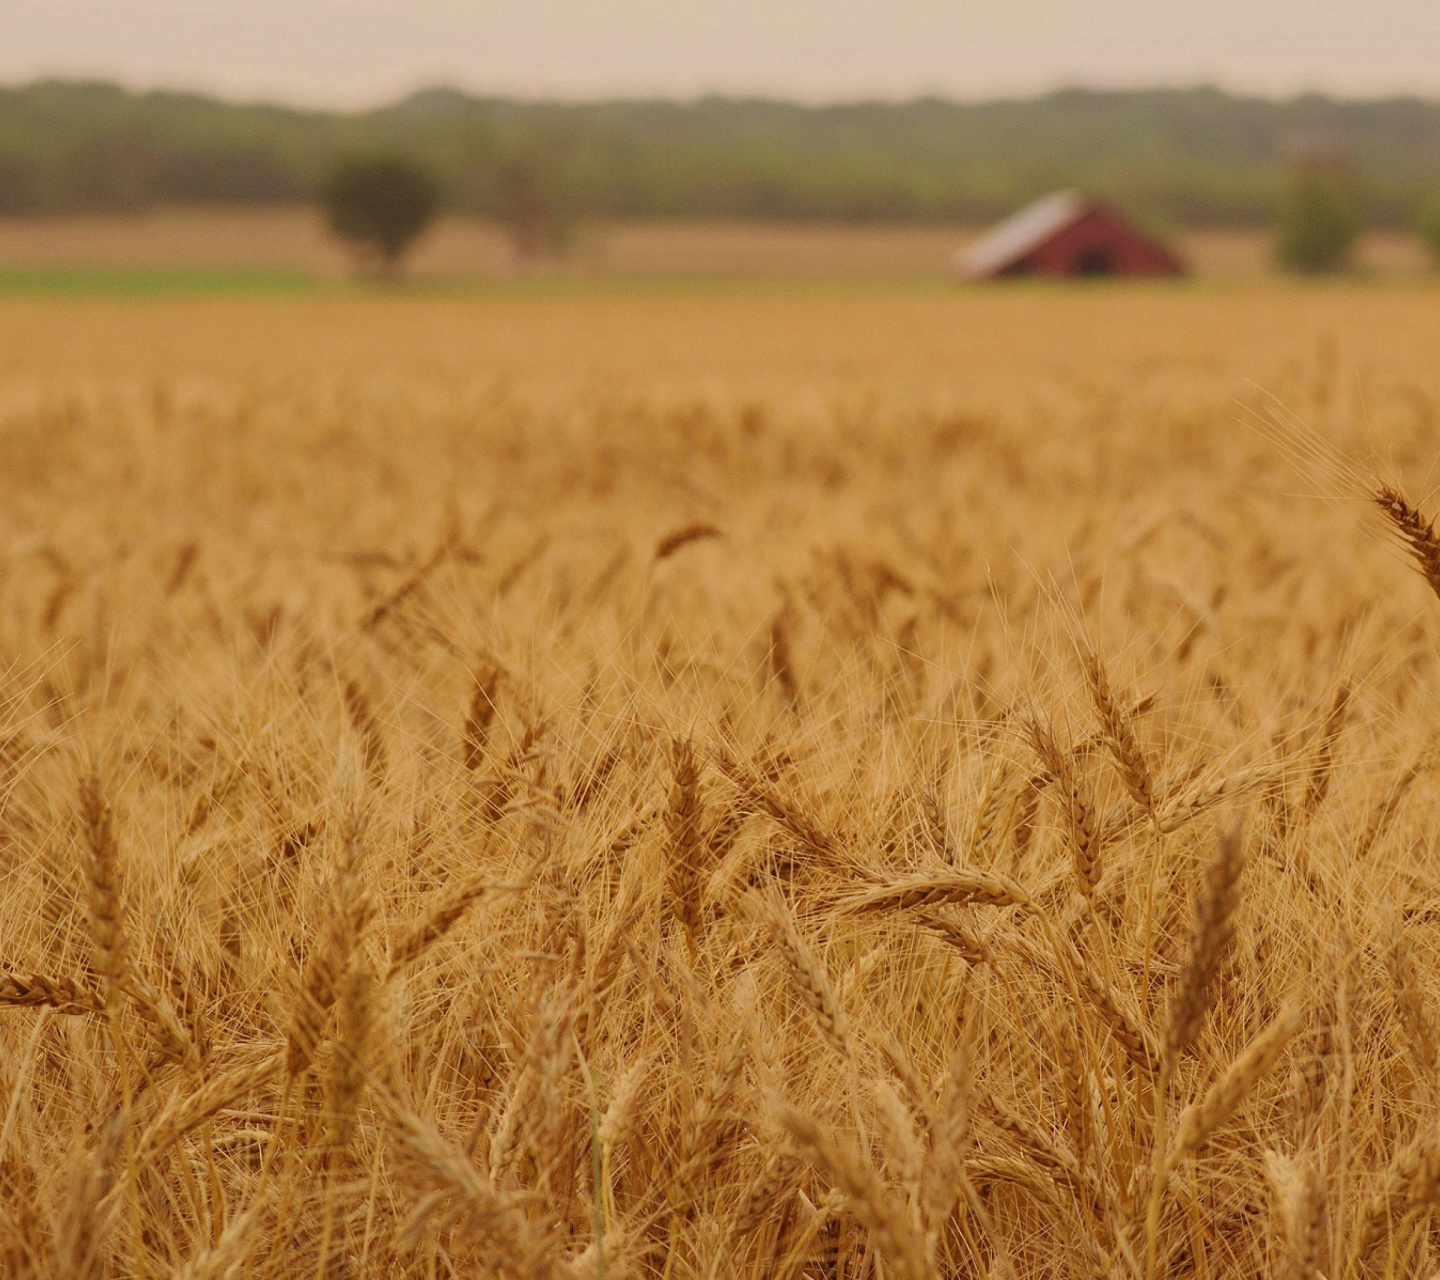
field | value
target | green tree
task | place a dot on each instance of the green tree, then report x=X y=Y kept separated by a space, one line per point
x=381 y=205
x=1318 y=220
x=1427 y=224
x=527 y=187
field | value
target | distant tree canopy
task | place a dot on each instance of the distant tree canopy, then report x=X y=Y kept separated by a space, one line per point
x=1178 y=156
x=380 y=204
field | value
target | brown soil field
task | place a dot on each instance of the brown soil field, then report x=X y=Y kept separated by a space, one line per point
x=461 y=249
x=821 y=782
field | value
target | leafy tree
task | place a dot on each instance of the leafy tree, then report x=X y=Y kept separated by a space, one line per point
x=21 y=179
x=1427 y=224
x=527 y=184
x=1319 y=220
x=381 y=205
x=528 y=202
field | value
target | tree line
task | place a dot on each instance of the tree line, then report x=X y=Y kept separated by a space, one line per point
x=1193 y=157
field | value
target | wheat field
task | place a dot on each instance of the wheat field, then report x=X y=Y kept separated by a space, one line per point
x=720 y=786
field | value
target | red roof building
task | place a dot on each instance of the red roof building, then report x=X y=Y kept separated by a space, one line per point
x=1068 y=235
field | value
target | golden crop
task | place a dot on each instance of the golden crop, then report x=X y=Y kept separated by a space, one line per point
x=732 y=785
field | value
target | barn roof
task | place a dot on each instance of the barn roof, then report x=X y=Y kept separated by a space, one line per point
x=1023 y=231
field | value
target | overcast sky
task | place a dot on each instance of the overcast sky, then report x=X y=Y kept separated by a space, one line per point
x=357 y=52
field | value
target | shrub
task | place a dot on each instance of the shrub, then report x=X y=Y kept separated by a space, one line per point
x=381 y=205
x=1319 y=219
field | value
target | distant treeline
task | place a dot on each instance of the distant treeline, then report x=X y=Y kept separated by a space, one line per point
x=1192 y=156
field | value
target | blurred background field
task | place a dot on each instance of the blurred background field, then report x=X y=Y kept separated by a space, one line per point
x=288 y=246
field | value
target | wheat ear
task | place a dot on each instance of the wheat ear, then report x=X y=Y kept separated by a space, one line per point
x=1409 y=1000
x=483 y=1212
x=183 y=1114
x=34 y=991
x=926 y=889
x=1410 y=1178
x=1414 y=530
x=1299 y=1197
x=480 y=715
x=102 y=876
x=1201 y=1120
x=807 y=974
x=1210 y=939
x=330 y=953
x=1082 y=826
x=682 y=882
x=447 y=909
x=764 y=1195
x=1117 y=731
x=683 y=537
x=787 y=813
x=895 y=1239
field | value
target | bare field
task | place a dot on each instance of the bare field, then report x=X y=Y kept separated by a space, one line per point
x=459 y=249
x=737 y=783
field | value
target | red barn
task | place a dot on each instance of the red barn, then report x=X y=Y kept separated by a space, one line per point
x=1068 y=235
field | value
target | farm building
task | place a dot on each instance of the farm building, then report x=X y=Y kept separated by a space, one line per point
x=1067 y=235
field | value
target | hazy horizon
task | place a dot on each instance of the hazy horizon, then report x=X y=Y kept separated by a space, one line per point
x=480 y=92
x=360 y=53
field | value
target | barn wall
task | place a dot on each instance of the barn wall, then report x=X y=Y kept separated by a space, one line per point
x=1097 y=233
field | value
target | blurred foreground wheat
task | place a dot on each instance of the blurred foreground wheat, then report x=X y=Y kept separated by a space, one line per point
x=692 y=840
